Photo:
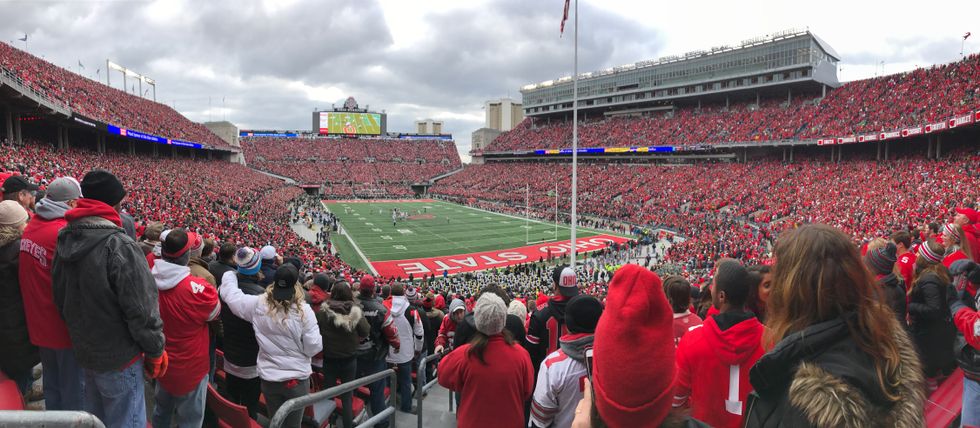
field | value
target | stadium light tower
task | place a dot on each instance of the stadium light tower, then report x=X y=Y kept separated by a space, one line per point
x=109 y=66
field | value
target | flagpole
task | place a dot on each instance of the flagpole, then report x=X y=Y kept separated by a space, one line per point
x=574 y=219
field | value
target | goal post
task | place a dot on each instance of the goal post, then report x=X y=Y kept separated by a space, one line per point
x=527 y=219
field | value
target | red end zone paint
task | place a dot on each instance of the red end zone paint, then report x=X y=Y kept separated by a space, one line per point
x=489 y=259
x=373 y=201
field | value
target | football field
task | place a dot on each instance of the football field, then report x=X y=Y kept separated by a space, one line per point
x=439 y=237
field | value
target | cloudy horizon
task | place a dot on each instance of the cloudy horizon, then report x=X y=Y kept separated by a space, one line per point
x=269 y=64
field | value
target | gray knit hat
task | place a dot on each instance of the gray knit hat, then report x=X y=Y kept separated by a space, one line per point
x=490 y=314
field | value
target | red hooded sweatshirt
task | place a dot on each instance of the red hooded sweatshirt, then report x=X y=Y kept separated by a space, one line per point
x=713 y=368
x=44 y=323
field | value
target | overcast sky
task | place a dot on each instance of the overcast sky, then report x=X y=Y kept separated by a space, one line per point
x=268 y=64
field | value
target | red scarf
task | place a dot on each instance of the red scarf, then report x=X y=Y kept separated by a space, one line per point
x=93 y=208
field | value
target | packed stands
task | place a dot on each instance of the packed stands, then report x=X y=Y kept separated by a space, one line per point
x=244 y=206
x=864 y=198
x=886 y=103
x=103 y=103
x=351 y=166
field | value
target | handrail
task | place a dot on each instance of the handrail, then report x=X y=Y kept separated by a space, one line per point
x=52 y=419
x=421 y=389
x=299 y=403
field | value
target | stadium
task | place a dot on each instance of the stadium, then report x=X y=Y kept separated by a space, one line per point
x=707 y=172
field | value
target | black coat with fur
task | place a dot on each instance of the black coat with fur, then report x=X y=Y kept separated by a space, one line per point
x=819 y=377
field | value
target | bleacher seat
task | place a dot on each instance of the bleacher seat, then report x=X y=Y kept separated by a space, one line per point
x=230 y=415
x=10 y=398
x=944 y=405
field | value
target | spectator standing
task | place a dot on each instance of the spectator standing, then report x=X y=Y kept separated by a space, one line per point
x=435 y=317
x=270 y=261
x=558 y=388
x=287 y=333
x=930 y=321
x=107 y=296
x=724 y=347
x=905 y=256
x=840 y=358
x=19 y=355
x=62 y=378
x=881 y=261
x=197 y=264
x=493 y=374
x=957 y=247
x=241 y=349
x=225 y=261
x=548 y=323
x=411 y=337
x=969 y=220
x=963 y=306
x=342 y=326
x=679 y=295
x=187 y=304
x=373 y=349
x=515 y=324
x=447 y=330
x=19 y=189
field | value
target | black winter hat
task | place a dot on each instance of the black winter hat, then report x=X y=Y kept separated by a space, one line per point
x=582 y=313
x=286 y=277
x=101 y=185
x=882 y=260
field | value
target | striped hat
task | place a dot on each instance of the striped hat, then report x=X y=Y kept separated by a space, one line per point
x=950 y=229
x=248 y=261
x=931 y=256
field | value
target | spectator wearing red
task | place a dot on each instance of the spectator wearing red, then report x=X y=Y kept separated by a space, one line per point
x=905 y=256
x=929 y=317
x=373 y=350
x=678 y=292
x=547 y=324
x=342 y=326
x=62 y=377
x=240 y=346
x=725 y=347
x=447 y=329
x=839 y=357
x=956 y=245
x=187 y=304
x=19 y=355
x=963 y=306
x=881 y=261
x=969 y=220
x=559 y=388
x=493 y=374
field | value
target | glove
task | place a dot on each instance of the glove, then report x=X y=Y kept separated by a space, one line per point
x=156 y=367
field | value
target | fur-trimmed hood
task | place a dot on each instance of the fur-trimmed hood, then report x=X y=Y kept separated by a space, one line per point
x=834 y=383
x=345 y=321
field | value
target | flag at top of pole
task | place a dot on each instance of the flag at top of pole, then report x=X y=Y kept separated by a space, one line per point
x=564 y=18
x=965 y=36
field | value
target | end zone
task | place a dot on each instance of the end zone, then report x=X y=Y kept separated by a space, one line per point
x=490 y=259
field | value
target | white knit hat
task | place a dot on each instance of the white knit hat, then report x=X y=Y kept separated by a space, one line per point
x=12 y=213
x=490 y=314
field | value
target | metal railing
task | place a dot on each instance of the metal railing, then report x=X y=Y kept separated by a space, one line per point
x=421 y=390
x=300 y=403
x=51 y=419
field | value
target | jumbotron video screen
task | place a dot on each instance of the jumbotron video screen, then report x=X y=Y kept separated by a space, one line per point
x=343 y=123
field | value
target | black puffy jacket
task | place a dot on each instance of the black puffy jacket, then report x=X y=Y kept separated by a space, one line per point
x=106 y=294
x=895 y=294
x=19 y=356
x=931 y=324
x=239 y=344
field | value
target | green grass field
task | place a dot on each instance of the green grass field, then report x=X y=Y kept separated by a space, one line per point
x=445 y=229
x=353 y=123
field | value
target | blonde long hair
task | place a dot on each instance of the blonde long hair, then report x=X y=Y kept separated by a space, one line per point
x=819 y=276
x=280 y=309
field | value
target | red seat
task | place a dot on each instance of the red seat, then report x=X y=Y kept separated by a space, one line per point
x=356 y=403
x=230 y=415
x=946 y=402
x=10 y=398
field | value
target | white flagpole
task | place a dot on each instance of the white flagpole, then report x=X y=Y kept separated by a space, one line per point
x=574 y=248
x=555 y=236
x=527 y=213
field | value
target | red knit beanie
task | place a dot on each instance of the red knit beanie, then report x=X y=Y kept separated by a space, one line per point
x=634 y=351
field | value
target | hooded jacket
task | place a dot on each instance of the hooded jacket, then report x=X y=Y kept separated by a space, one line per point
x=447 y=330
x=410 y=332
x=931 y=324
x=895 y=295
x=18 y=355
x=104 y=290
x=342 y=325
x=713 y=363
x=435 y=317
x=37 y=246
x=383 y=333
x=187 y=303
x=286 y=346
x=819 y=377
x=239 y=345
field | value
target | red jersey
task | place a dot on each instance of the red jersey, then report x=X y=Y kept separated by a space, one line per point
x=684 y=322
x=952 y=257
x=187 y=303
x=906 y=266
x=44 y=322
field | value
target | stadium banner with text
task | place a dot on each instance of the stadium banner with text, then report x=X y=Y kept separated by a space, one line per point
x=491 y=259
x=962 y=120
x=267 y=134
x=374 y=201
x=129 y=133
x=349 y=123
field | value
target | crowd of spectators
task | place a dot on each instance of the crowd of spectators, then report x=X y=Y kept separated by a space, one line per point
x=887 y=103
x=101 y=102
x=350 y=166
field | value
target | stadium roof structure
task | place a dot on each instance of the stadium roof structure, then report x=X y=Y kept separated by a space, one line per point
x=769 y=65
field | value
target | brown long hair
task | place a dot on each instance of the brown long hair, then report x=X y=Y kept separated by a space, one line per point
x=478 y=344
x=819 y=276
x=923 y=265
